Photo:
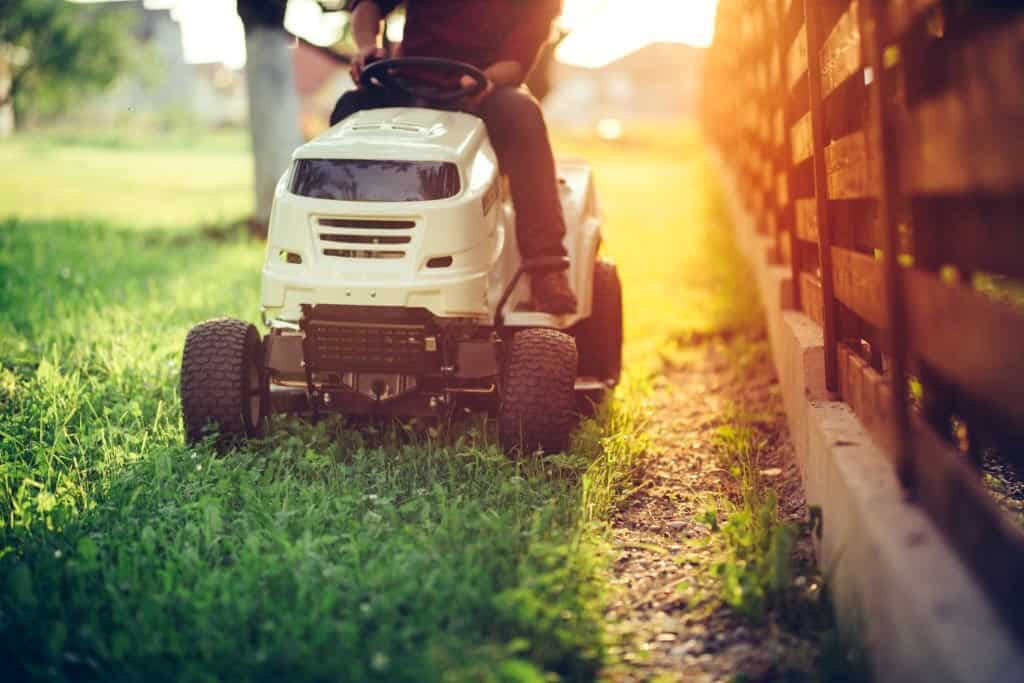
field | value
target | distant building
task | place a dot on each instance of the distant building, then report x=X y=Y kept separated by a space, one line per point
x=218 y=95
x=659 y=81
x=165 y=87
x=158 y=81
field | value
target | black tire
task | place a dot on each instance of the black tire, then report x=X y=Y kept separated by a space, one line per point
x=599 y=337
x=223 y=385
x=537 y=397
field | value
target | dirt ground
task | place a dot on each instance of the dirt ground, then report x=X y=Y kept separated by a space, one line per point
x=666 y=632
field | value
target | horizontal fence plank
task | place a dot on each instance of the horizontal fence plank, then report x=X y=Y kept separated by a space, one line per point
x=801 y=139
x=806 y=220
x=796 y=60
x=841 y=52
x=975 y=342
x=858 y=282
x=869 y=395
x=968 y=138
x=850 y=173
x=953 y=496
x=811 y=299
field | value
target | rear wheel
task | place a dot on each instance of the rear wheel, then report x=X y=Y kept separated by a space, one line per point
x=537 y=397
x=599 y=337
x=223 y=386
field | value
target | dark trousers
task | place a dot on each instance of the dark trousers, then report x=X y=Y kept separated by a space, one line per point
x=515 y=125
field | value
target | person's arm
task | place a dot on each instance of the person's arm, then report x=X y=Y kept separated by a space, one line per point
x=522 y=46
x=520 y=49
x=505 y=72
x=366 y=18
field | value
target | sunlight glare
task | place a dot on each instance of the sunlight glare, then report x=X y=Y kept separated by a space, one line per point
x=601 y=31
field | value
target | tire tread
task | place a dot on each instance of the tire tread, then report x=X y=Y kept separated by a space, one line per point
x=213 y=379
x=538 y=395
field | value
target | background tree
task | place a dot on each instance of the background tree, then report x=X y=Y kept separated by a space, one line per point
x=273 y=100
x=53 y=52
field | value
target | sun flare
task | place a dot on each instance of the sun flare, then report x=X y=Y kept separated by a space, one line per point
x=601 y=31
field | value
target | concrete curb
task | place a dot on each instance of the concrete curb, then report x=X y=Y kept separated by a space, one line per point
x=898 y=587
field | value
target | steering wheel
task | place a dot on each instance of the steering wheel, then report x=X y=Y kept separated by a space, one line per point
x=384 y=73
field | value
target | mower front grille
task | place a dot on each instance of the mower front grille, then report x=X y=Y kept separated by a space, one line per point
x=376 y=237
x=362 y=347
x=364 y=253
x=366 y=223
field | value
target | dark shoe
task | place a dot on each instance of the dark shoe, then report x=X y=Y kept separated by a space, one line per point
x=552 y=293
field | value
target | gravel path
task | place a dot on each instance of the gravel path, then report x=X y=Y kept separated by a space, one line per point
x=667 y=629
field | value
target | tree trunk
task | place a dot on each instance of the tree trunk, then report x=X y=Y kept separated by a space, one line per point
x=6 y=119
x=6 y=100
x=273 y=111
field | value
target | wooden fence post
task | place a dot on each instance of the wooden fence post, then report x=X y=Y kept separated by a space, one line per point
x=874 y=31
x=785 y=214
x=830 y=316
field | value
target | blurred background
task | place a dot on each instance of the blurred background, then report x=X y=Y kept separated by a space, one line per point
x=178 y=69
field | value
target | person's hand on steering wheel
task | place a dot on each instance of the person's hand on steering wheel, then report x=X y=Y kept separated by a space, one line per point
x=365 y=56
x=498 y=74
x=472 y=101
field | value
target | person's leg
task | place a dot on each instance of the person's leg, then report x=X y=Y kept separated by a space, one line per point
x=356 y=100
x=516 y=127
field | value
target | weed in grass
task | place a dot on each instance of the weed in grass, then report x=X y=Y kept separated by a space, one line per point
x=754 y=569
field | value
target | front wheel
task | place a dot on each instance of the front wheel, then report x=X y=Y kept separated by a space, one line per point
x=537 y=400
x=223 y=386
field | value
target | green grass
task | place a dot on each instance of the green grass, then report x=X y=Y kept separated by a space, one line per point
x=129 y=179
x=754 y=573
x=388 y=555
x=392 y=553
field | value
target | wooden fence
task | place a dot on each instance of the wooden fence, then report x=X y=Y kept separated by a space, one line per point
x=880 y=146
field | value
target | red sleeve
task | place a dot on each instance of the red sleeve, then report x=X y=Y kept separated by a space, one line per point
x=531 y=31
x=385 y=5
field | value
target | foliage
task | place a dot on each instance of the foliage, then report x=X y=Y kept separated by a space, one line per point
x=755 y=568
x=754 y=573
x=57 y=51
